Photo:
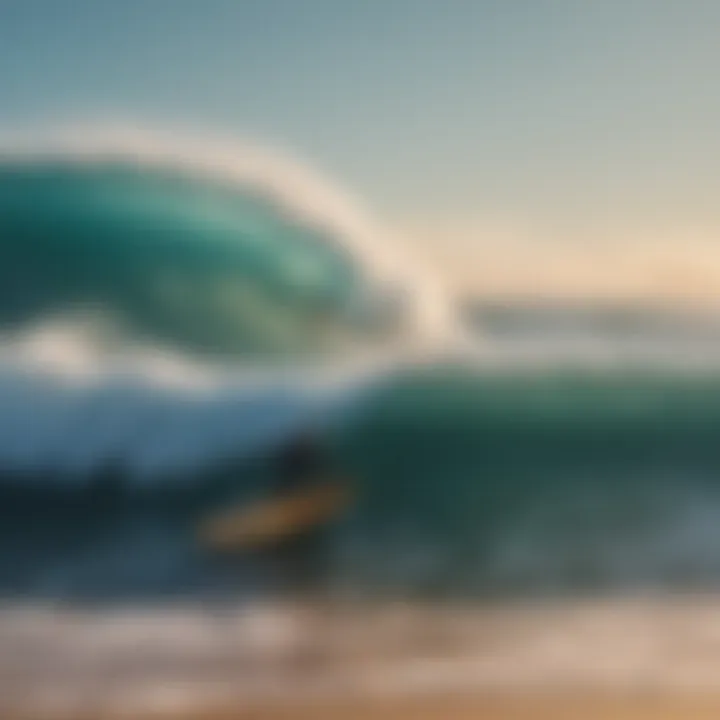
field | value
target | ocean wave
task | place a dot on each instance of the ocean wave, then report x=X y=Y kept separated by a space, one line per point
x=152 y=329
x=163 y=299
x=217 y=248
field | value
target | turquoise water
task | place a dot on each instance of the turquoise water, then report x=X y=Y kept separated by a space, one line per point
x=545 y=481
x=472 y=479
x=168 y=259
x=468 y=483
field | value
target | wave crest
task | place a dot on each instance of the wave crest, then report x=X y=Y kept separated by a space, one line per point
x=145 y=268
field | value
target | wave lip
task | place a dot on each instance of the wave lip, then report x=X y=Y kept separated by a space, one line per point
x=202 y=182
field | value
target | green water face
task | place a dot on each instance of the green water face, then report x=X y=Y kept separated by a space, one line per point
x=459 y=463
x=204 y=267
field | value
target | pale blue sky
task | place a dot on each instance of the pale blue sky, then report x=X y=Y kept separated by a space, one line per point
x=588 y=123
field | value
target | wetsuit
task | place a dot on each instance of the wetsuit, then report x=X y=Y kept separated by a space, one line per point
x=302 y=561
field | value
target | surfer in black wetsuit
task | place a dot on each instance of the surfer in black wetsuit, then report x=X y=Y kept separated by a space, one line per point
x=308 y=493
x=302 y=560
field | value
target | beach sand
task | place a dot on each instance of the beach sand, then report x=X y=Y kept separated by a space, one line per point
x=597 y=660
x=535 y=705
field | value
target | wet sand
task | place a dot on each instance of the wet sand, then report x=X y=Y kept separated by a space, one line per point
x=627 y=660
x=536 y=705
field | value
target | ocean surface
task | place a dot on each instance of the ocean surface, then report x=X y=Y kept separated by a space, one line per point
x=170 y=315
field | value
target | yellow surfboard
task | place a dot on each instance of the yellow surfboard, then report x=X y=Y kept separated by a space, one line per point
x=270 y=521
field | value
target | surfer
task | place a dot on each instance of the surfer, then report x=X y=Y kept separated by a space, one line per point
x=290 y=530
x=302 y=559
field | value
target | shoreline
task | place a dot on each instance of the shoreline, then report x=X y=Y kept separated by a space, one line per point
x=635 y=659
x=518 y=705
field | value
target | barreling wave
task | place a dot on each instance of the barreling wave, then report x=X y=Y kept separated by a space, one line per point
x=221 y=250
x=132 y=262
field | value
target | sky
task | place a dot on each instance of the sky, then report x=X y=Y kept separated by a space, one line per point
x=523 y=146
